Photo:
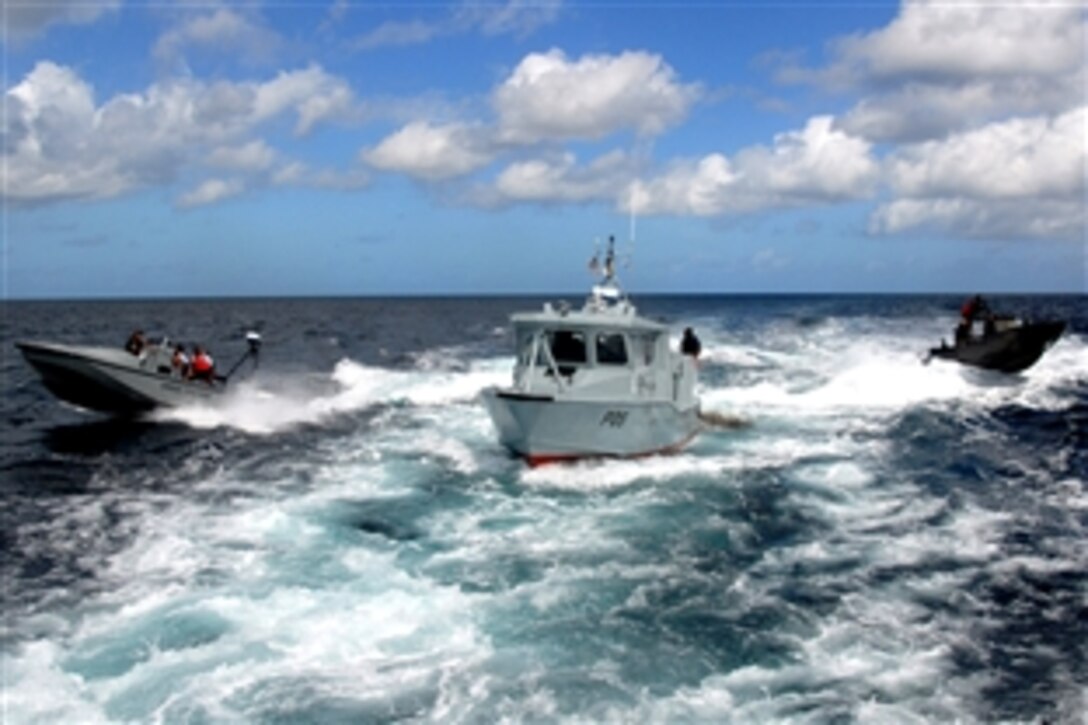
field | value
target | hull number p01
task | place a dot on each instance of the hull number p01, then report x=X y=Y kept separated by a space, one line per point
x=614 y=418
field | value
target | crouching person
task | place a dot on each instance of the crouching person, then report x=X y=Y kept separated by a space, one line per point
x=202 y=367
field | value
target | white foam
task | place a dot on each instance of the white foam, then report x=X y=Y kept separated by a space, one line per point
x=356 y=387
x=876 y=382
x=880 y=648
x=743 y=356
x=362 y=615
x=606 y=474
x=37 y=690
x=834 y=371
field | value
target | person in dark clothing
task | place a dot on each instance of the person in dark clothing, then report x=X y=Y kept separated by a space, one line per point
x=136 y=342
x=974 y=309
x=963 y=331
x=690 y=345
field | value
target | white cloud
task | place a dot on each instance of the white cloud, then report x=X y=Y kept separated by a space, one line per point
x=291 y=173
x=398 y=33
x=24 y=19
x=297 y=173
x=1019 y=158
x=251 y=157
x=920 y=111
x=211 y=191
x=515 y=17
x=560 y=179
x=986 y=102
x=983 y=219
x=818 y=164
x=1024 y=177
x=51 y=88
x=45 y=134
x=58 y=143
x=432 y=153
x=312 y=93
x=938 y=39
x=699 y=188
x=550 y=97
x=224 y=31
x=546 y=98
x=943 y=67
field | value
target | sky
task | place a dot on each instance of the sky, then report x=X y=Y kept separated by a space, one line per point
x=342 y=147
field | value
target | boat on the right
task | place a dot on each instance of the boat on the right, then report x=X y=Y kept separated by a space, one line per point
x=1004 y=343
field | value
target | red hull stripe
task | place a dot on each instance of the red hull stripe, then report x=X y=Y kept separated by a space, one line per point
x=542 y=459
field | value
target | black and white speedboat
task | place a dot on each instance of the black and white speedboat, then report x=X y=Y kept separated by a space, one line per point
x=114 y=380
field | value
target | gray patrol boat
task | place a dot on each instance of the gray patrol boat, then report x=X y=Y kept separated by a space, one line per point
x=114 y=380
x=597 y=382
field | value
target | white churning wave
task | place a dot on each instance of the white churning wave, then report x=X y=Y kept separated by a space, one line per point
x=260 y=408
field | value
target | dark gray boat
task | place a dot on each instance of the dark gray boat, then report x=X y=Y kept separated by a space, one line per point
x=113 y=380
x=1004 y=344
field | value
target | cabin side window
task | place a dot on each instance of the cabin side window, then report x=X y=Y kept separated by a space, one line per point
x=568 y=347
x=611 y=349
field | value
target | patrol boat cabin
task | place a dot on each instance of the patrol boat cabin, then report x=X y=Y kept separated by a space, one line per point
x=599 y=381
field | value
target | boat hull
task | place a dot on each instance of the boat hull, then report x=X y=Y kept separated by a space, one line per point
x=109 y=380
x=1007 y=351
x=544 y=429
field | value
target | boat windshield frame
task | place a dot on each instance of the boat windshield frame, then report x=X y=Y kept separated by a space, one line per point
x=637 y=349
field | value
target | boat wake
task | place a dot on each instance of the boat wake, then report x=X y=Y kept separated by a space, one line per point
x=277 y=404
x=880 y=377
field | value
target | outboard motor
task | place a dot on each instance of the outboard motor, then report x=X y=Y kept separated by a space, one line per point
x=253 y=341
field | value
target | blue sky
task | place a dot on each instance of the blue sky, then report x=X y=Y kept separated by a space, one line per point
x=332 y=147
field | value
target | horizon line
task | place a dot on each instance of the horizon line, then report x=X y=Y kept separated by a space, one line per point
x=530 y=295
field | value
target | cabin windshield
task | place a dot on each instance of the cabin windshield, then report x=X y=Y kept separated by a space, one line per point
x=568 y=347
x=611 y=349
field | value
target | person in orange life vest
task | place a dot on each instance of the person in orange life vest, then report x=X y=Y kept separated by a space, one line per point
x=202 y=366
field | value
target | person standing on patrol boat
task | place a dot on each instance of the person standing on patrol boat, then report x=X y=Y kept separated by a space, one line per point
x=690 y=345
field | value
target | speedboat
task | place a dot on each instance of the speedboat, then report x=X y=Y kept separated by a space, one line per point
x=1005 y=344
x=597 y=382
x=114 y=380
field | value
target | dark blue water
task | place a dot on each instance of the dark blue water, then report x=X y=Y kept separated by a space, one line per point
x=344 y=541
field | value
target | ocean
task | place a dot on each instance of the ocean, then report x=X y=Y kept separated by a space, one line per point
x=881 y=541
